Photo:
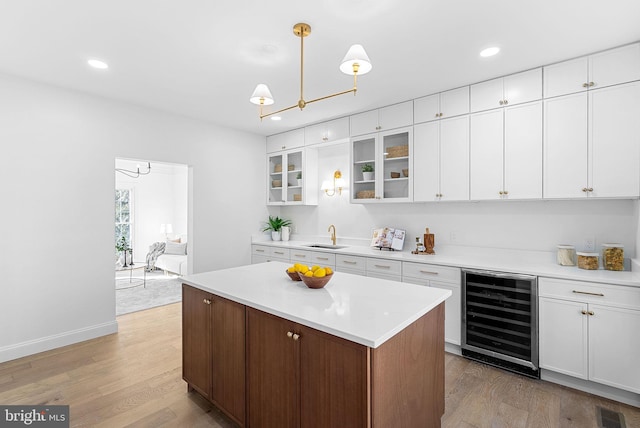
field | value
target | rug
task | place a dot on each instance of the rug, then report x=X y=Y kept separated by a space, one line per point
x=160 y=290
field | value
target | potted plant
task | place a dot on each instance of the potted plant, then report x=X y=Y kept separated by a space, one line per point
x=367 y=172
x=299 y=178
x=275 y=225
x=122 y=246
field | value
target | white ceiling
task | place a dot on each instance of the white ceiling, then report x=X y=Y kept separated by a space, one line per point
x=203 y=58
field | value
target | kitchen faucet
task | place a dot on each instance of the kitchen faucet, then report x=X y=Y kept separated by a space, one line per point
x=333 y=234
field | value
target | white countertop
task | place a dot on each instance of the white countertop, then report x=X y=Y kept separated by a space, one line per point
x=536 y=263
x=361 y=309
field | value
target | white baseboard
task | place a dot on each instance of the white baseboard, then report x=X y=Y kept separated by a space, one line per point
x=594 y=388
x=19 y=350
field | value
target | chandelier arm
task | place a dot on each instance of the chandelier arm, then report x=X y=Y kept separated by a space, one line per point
x=262 y=116
x=354 y=89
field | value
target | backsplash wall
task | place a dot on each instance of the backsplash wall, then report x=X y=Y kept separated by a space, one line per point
x=526 y=225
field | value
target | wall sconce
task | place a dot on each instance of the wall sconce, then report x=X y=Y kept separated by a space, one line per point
x=330 y=188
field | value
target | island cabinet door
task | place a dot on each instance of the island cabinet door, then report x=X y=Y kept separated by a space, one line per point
x=196 y=340
x=333 y=381
x=228 y=357
x=272 y=372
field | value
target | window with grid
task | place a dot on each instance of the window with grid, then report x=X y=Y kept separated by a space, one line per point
x=124 y=215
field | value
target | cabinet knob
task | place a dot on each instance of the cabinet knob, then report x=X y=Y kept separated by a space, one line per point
x=437 y=114
x=590 y=189
x=296 y=336
x=324 y=138
x=378 y=128
x=584 y=189
x=501 y=102
x=284 y=147
x=501 y=192
x=206 y=301
x=583 y=312
x=506 y=102
x=591 y=313
x=585 y=85
x=591 y=84
x=505 y=192
x=289 y=334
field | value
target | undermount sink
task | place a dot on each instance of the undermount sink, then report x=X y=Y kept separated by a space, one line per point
x=326 y=246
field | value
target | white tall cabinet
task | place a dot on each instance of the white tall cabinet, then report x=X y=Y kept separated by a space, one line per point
x=509 y=90
x=441 y=106
x=441 y=160
x=506 y=153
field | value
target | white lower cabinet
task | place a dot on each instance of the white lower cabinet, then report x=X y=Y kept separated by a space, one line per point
x=351 y=264
x=385 y=269
x=440 y=277
x=590 y=331
x=267 y=253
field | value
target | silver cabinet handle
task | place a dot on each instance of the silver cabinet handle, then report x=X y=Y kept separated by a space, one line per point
x=259 y=251
x=278 y=252
x=383 y=266
x=300 y=255
x=587 y=292
x=349 y=262
x=429 y=273
x=322 y=258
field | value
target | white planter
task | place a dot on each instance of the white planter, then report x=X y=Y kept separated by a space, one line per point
x=368 y=175
x=300 y=182
x=275 y=236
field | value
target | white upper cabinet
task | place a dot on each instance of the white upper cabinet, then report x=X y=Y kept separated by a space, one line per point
x=383 y=119
x=612 y=67
x=509 y=90
x=285 y=141
x=440 y=106
x=292 y=177
x=506 y=153
x=327 y=132
x=441 y=160
x=592 y=144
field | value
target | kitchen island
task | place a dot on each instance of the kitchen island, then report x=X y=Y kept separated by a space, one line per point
x=360 y=352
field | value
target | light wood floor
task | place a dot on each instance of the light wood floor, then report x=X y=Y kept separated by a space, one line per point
x=133 y=378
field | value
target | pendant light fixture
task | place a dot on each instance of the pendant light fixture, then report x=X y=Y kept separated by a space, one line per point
x=355 y=62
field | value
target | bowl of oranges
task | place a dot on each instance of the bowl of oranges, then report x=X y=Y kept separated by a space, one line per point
x=313 y=277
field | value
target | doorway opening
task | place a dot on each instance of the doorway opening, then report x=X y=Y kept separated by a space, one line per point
x=151 y=233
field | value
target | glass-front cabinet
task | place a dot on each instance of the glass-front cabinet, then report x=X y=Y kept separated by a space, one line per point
x=381 y=167
x=292 y=178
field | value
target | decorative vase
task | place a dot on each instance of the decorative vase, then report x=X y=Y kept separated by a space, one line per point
x=368 y=176
x=275 y=235
x=300 y=182
x=285 y=232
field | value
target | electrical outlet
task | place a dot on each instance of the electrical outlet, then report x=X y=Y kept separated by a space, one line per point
x=589 y=244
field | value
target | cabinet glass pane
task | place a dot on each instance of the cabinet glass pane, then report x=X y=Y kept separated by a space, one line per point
x=364 y=153
x=395 y=177
x=276 y=178
x=294 y=191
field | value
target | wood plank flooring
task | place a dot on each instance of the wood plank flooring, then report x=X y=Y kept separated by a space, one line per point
x=133 y=379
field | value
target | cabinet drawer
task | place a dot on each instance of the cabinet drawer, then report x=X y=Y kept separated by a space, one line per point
x=352 y=264
x=261 y=250
x=385 y=267
x=431 y=272
x=301 y=256
x=280 y=253
x=323 y=259
x=590 y=292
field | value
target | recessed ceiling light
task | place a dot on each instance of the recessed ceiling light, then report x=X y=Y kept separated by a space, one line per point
x=489 y=51
x=96 y=63
x=276 y=118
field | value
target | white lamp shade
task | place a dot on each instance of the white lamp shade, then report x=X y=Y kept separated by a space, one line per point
x=340 y=182
x=356 y=54
x=326 y=185
x=169 y=228
x=263 y=93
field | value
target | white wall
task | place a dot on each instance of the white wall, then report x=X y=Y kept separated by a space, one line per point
x=57 y=175
x=158 y=198
x=530 y=225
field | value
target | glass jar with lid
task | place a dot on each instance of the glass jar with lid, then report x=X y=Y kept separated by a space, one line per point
x=588 y=261
x=613 y=256
x=566 y=255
